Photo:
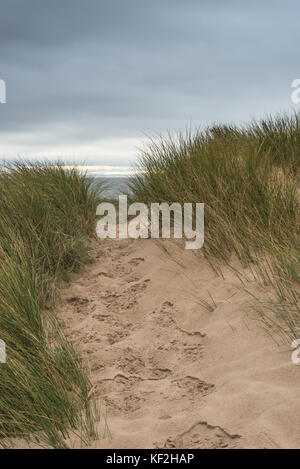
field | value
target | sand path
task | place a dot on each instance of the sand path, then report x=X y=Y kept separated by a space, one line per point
x=172 y=372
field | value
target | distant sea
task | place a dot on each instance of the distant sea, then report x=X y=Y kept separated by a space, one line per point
x=114 y=178
x=113 y=186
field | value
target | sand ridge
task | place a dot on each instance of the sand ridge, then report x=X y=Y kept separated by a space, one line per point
x=174 y=371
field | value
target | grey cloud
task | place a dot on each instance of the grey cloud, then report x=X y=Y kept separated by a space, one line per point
x=116 y=69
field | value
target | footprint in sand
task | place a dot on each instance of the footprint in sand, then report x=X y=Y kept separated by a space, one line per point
x=129 y=361
x=121 y=393
x=170 y=339
x=192 y=387
x=202 y=436
x=136 y=261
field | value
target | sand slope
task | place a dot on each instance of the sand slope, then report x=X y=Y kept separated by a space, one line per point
x=173 y=373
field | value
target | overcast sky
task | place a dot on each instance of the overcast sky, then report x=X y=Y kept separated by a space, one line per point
x=87 y=79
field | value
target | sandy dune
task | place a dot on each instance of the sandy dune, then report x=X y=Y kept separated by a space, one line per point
x=172 y=372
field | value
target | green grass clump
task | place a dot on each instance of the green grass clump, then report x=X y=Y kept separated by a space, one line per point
x=47 y=214
x=248 y=178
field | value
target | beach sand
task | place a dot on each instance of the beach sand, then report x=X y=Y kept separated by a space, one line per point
x=172 y=373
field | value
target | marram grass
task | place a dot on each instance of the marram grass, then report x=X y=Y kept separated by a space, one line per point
x=249 y=179
x=47 y=214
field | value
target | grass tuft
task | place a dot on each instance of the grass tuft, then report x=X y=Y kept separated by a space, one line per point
x=47 y=214
x=249 y=179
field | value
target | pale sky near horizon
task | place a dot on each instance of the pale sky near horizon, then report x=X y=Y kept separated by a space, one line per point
x=87 y=79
